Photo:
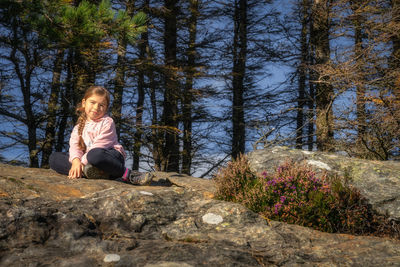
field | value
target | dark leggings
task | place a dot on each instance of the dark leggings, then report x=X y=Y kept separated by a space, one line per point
x=107 y=159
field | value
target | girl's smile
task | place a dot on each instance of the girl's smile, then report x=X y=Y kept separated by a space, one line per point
x=95 y=107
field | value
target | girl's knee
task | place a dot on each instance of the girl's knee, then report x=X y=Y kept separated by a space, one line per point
x=95 y=156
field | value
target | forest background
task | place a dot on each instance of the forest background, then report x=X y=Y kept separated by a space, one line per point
x=193 y=82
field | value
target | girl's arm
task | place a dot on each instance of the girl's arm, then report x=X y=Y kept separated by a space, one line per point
x=74 y=150
x=75 y=155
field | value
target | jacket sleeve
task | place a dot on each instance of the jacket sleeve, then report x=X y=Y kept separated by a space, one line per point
x=74 y=150
x=106 y=138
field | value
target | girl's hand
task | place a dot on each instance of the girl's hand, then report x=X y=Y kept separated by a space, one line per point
x=76 y=169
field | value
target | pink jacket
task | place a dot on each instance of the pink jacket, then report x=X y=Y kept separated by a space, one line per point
x=100 y=133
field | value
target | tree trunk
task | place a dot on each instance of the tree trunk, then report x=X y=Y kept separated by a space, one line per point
x=324 y=91
x=119 y=84
x=140 y=102
x=24 y=75
x=83 y=72
x=79 y=78
x=238 y=73
x=156 y=133
x=66 y=105
x=170 y=156
x=302 y=75
x=360 y=89
x=312 y=76
x=52 y=110
x=395 y=58
x=119 y=80
x=188 y=89
x=310 y=117
x=156 y=136
x=31 y=123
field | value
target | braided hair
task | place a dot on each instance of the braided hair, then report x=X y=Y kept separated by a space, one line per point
x=80 y=110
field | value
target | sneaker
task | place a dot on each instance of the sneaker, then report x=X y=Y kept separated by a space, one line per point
x=92 y=172
x=140 y=178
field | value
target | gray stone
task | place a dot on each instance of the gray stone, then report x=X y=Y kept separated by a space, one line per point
x=212 y=218
x=112 y=258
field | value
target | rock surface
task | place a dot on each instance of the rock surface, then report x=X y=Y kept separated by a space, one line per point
x=48 y=220
x=377 y=181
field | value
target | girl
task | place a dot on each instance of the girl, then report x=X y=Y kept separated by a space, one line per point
x=94 y=149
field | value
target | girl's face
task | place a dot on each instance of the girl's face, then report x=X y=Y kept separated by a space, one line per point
x=95 y=107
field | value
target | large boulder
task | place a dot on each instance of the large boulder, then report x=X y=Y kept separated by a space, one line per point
x=48 y=220
x=377 y=181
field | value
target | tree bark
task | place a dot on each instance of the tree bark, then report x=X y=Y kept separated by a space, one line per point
x=324 y=91
x=140 y=102
x=119 y=84
x=24 y=75
x=156 y=138
x=238 y=73
x=395 y=58
x=312 y=76
x=188 y=89
x=50 y=133
x=360 y=89
x=170 y=159
x=302 y=75
x=66 y=105
x=119 y=80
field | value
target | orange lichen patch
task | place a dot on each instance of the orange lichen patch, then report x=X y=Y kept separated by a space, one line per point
x=124 y=193
x=350 y=237
x=208 y=195
x=4 y=194
x=66 y=191
x=57 y=191
x=30 y=193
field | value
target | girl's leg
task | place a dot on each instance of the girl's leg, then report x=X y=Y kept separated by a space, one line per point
x=113 y=163
x=59 y=161
x=108 y=160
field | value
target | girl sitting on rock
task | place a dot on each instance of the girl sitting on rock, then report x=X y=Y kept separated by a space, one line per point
x=95 y=152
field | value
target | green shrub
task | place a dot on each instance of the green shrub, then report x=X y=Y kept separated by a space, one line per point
x=294 y=194
x=235 y=181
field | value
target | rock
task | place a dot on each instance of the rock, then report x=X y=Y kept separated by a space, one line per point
x=377 y=181
x=48 y=220
x=212 y=218
x=112 y=258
